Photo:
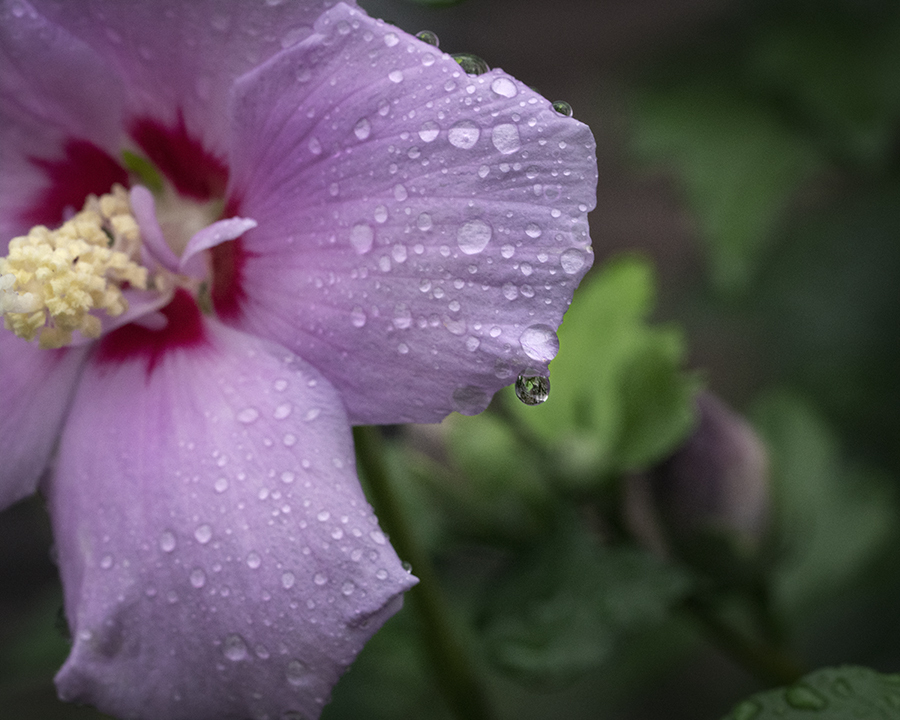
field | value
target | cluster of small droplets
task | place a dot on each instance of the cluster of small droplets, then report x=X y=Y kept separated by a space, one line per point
x=52 y=280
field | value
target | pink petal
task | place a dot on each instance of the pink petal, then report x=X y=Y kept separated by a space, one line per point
x=58 y=133
x=420 y=231
x=178 y=59
x=209 y=237
x=218 y=556
x=35 y=388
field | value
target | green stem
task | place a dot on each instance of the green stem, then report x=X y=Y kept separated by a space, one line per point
x=452 y=668
x=768 y=662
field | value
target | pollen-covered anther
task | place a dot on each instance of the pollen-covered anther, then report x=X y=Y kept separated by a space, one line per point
x=52 y=280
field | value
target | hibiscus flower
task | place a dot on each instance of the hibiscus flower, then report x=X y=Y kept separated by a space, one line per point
x=232 y=231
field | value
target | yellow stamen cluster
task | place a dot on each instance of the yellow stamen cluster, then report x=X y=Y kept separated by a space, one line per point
x=52 y=279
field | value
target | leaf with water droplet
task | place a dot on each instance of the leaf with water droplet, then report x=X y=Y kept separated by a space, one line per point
x=826 y=694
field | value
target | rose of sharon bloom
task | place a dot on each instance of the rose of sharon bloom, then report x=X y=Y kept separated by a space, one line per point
x=262 y=223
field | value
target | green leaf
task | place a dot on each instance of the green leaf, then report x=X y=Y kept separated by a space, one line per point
x=737 y=164
x=566 y=606
x=827 y=694
x=831 y=517
x=619 y=399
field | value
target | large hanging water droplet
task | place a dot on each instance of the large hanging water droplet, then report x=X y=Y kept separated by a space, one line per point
x=471 y=64
x=563 y=108
x=426 y=36
x=532 y=389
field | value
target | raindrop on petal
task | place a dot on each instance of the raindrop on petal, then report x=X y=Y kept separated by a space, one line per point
x=563 y=108
x=429 y=131
x=167 y=541
x=506 y=138
x=473 y=236
x=504 y=87
x=235 y=648
x=426 y=36
x=572 y=260
x=203 y=534
x=361 y=238
x=248 y=415
x=539 y=343
x=471 y=64
x=296 y=672
x=362 y=129
x=532 y=389
x=463 y=135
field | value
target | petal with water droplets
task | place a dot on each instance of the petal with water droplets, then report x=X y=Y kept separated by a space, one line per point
x=212 y=568
x=460 y=206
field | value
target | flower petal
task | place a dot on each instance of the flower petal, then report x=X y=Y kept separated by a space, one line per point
x=35 y=388
x=182 y=57
x=56 y=130
x=418 y=228
x=218 y=556
x=210 y=236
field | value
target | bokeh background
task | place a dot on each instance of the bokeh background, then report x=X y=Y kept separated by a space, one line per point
x=708 y=503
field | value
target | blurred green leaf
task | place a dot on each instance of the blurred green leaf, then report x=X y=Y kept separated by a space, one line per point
x=565 y=606
x=619 y=399
x=827 y=694
x=831 y=517
x=738 y=165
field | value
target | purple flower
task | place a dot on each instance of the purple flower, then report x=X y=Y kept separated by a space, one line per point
x=349 y=229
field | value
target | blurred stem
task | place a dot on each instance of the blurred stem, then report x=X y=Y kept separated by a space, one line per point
x=452 y=668
x=766 y=661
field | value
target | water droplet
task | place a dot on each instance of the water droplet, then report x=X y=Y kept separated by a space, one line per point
x=347 y=588
x=362 y=129
x=358 y=317
x=381 y=214
x=429 y=131
x=572 y=260
x=506 y=138
x=474 y=236
x=472 y=343
x=464 y=134
x=400 y=193
x=471 y=64
x=533 y=230
x=378 y=537
x=287 y=477
x=510 y=291
x=426 y=36
x=312 y=414
x=248 y=415
x=323 y=516
x=287 y=580
x=296 y=672
x=282 y=411
x=106 y=562
x=319 y=579
x=361 y=238
x=563 y=108
x=198 y=578
x=803 y=697
x=253 y=560
x=221 y=485
x=402 y=317
x=235 y=648
x=532 y=389
x=539 y=343
x=203 y=533
x=424 y=222
x=505 y=87
x=395 y=76
x=315 y=147
x=167 y=542
x=391 y=39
